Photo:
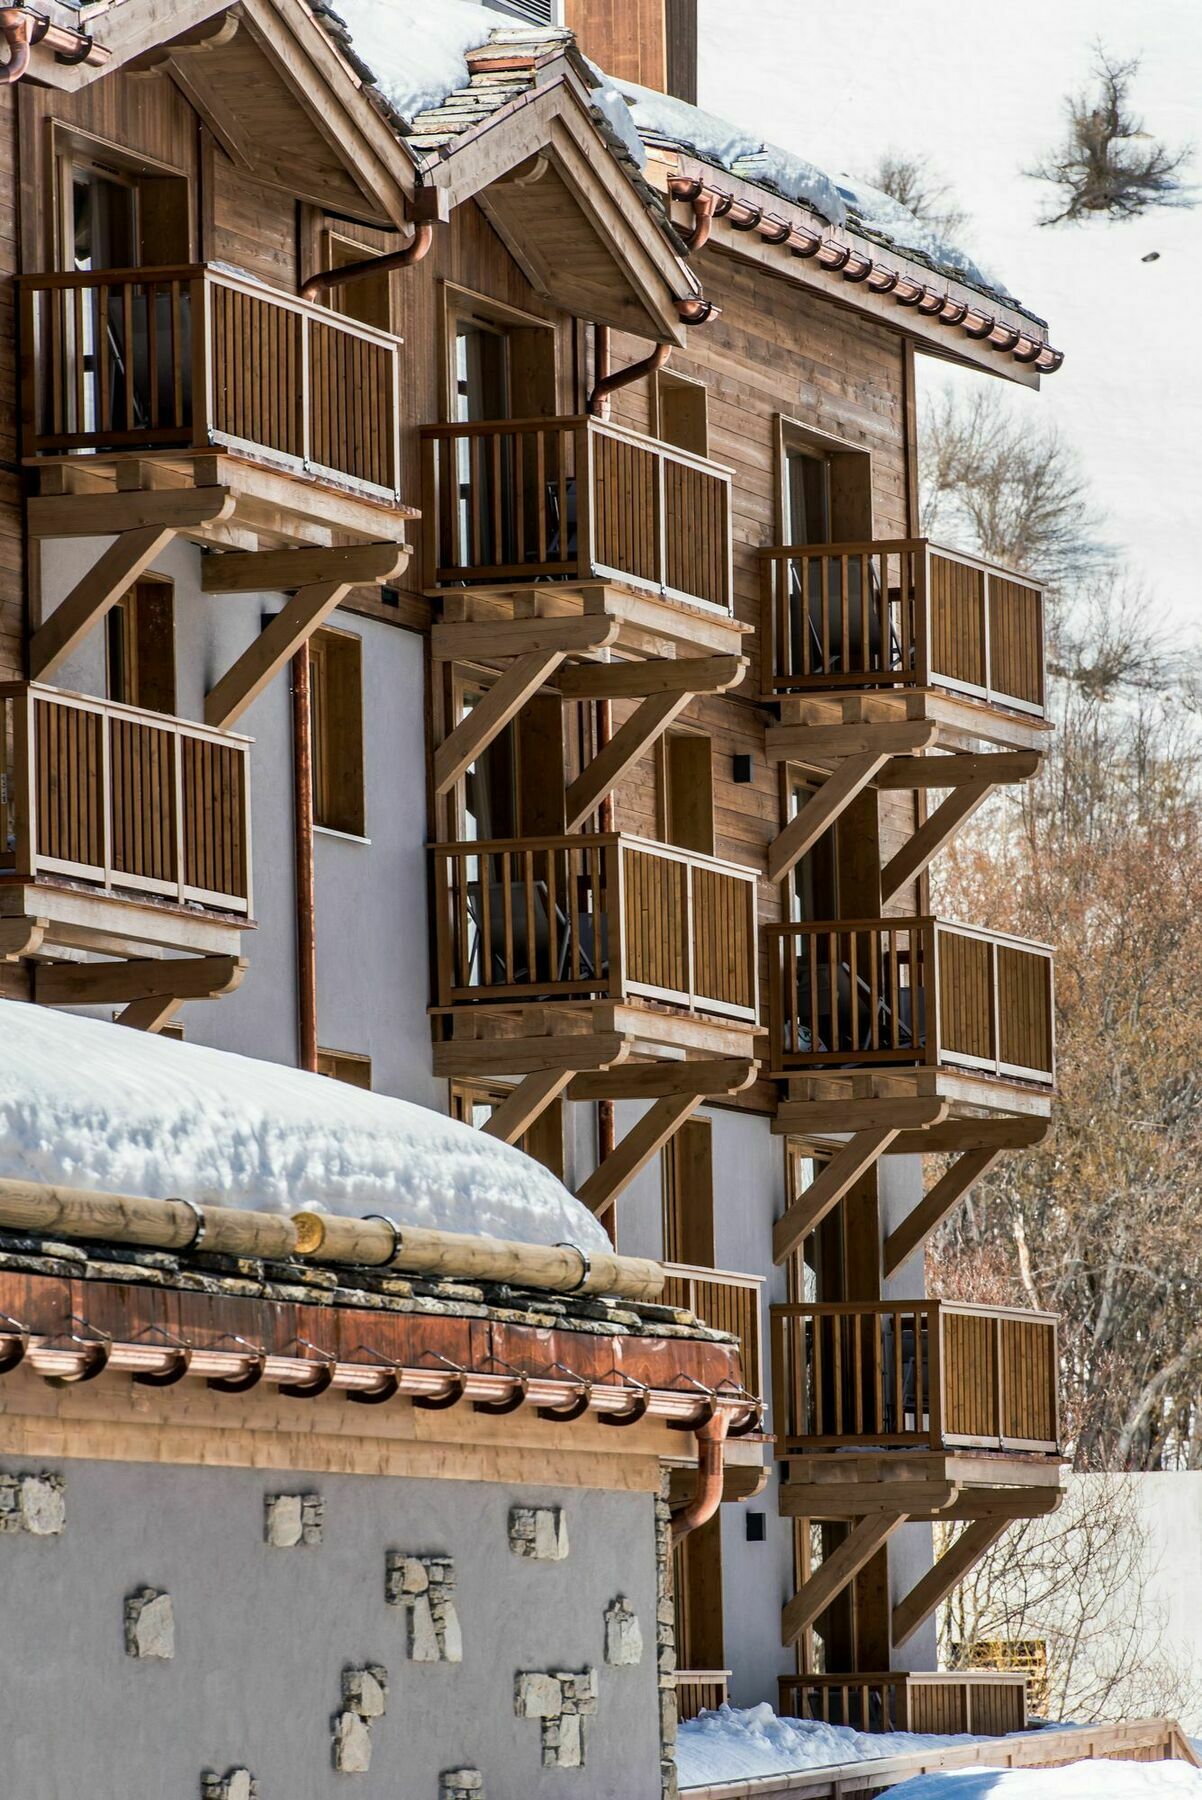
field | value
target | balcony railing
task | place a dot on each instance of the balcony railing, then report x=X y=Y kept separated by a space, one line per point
x=860 y=992
x=190 y=357
x=984 y=1703
x=523 y=499
x=598 y=916
x=728 y=1303
x=901 y=614
x=929 y=1374
x=122 y=800
x=700 y=1690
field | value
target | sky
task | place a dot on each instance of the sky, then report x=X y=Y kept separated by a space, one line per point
x=980 y=95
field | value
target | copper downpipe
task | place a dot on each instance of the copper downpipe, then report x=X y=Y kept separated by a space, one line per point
x=306 y=910
x=705 y=1502
x=17 y=27
x=609 y=384
x=417 y=247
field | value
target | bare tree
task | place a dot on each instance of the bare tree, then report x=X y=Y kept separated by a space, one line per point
x=1108 y=164
x=911 y=182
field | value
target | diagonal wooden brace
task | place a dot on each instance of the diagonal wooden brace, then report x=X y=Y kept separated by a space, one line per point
x=93 y=595
x=821 y=810
x=938 y=1582
x=496 y=707
x=935 y=1206
x=841 y=1172
x=530 y=1098
x=643 y=1141
x=275 y=645
x=929 y=839
x=860 y=1545
x=649 y=720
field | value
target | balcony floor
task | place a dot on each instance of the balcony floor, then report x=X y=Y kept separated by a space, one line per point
x=478 y=1039
x=947 y=1485
x=650 y=624
x=963 y=723
x=830 y=1104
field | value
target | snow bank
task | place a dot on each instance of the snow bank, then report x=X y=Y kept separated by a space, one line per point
x=416 y=51
x=1076 y=1781
x=91 y=1104
x=735 y=1744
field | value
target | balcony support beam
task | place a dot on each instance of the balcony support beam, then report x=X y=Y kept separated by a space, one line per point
x=934 y=1207
x=643 y=1141
x=492 y=1057
x=842 y=1172
x=655 y=1080
x=929 y=839
x=1013 y=1133
x=150 y=1014
x=820 y=1118
x=496 y=639
x=957 y=770
x=498 y=705
x=95 y=594
x=860 y=1545
x=654 y=675
x=814 y=745
x=131 y=509
x=938 y=1582
x=649 y=720
x=531 y=1097
x=275 y=646
x=283 y=571
x=123 y=983
x=821 y=811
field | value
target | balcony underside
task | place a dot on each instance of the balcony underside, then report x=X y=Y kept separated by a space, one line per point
x=963 y=724
x=65 y=917
x=497 y=1040
x=650 y=623
x=825 y=1105
x=271 y=507
x=946 y=1485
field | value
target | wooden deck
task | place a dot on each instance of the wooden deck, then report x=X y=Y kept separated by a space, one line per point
x=980 y=1702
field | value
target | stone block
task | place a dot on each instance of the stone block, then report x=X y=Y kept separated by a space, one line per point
x=149 y=1624
x=538 y=1696
x=538 y=1532
x=352 y=1744
x=461 y=1784
x=423 y=1638
x=562 y=1701
x=236 y=1784
x=365 y=1691
x=623 y=1635
x=424 y=1585
x=291 y=1519
x=33 y=1503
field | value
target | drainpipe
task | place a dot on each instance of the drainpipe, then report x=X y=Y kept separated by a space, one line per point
x=608 y=384
x=417 y=247
x=706 y=1501
x=17 y=27
x=306 y=912
x=703 y=220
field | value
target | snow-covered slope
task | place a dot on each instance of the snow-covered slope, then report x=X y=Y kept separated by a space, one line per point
x=1076 y=1781
x=90 y=1104
x=740 y=1743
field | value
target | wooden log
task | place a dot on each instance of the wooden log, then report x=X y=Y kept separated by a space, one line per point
x=137 y=1219
x=413 y=1250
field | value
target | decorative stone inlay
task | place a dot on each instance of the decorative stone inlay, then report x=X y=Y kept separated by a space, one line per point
x=461 y=1784
x=290 y=1519
x=149 y=1624
x=238 y=1784
x=33 y=1503
x=562 y=1701
x=623 y=1635
x=665 y=1643
x=540 y=1532
x=425 y=1586
x=364 y=1698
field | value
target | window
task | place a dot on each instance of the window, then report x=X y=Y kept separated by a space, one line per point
x=807 y=497
x=687 y=1189
x=825 y=488
x=345 y=1065
x=475 y=1102
x=815 y=878
x=140 y=647
x=336 y=710
x=117 y=210
x=681 y=412
x=515 y=787
x=688 y=791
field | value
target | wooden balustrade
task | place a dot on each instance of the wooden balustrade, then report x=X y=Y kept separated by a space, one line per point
x=903 y=613
x=984 y=1703
x=518 y=499
x=700 y=1690
x=190 y=357
x=728 y=1303
x=910 y=991
x=597 y=916
x=930 y=1373
x=122 y=799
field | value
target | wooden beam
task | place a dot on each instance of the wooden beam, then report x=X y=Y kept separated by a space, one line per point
x=819 y=1118
x=275 y=645
x=150 y=1014
x=522 y=1056
x=532 y=1096
x=956 y=770
x=100 y=515
x=938 y=1582
x=860 y=1545
x=649 y=720
x=656 y=675
x=283 y=571
x=93 y=595
x=1003 y=1502
x=929 y=839
x=654 y=1080
x=801 y=743
x=119 y=983
x=856 y=1499
x=22 y=936
x=1011 y=1133
x=575 y=635
x=811 y=1207
x=821 y=810
x=643 y=1141
x=492 y=713
x=935 y=1206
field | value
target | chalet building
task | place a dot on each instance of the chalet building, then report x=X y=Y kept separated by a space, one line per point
x=465 y=630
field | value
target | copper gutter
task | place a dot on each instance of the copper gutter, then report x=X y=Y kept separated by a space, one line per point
x=17 y=27
x=306 y=905
x=22 y=29
x=711 y=1436
x=620 y=378
x=413 y=252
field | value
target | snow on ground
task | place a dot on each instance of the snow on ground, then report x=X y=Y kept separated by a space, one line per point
x=90 y=1104
x=1076 y=1781
x=737 y=1743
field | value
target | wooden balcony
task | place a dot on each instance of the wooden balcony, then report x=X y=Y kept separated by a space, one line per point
x=728 y=1303
x=891 y=994
x=700 y=1690
x=135 y=821
x=912 y=1376
x=983 y=1703
x=574 y=501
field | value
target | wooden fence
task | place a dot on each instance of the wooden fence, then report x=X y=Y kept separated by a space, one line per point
x=700 y=1690
x=515 y=499
x=598 y=915
x=188 y=357
x=929 y=1373
x=118 y=798
x=903 y=613
x=728 y=1303
x=910 y=991
x=977 y=1701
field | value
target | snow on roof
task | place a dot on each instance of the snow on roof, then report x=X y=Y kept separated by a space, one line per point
x=417 y=52
x=741 y=1743
x=89 y=1104
x=1073 y=1781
